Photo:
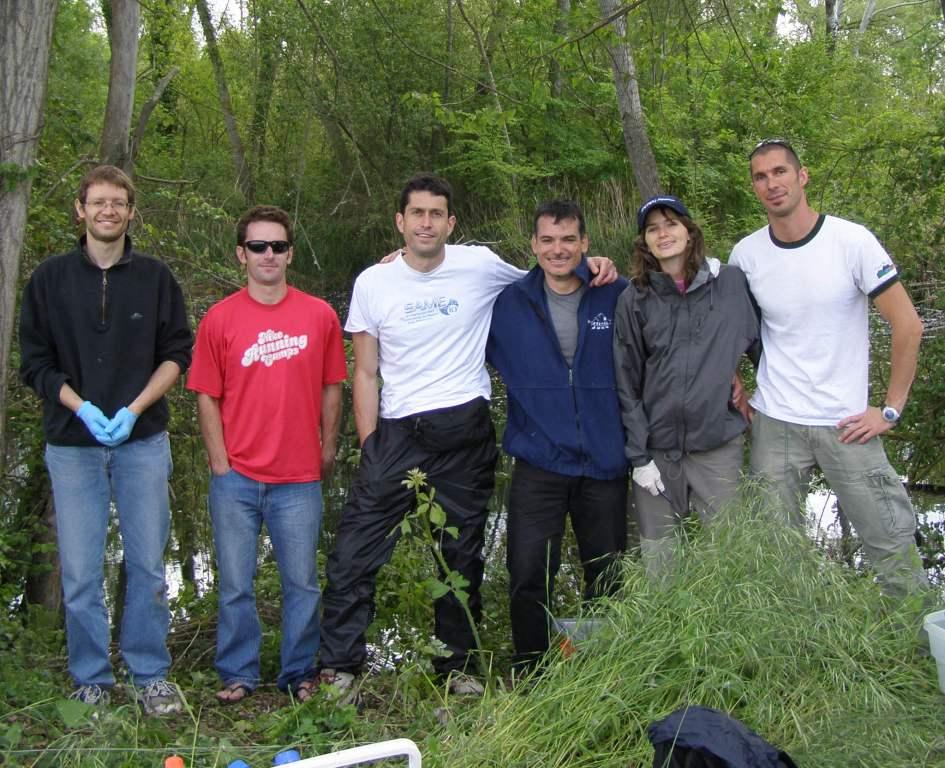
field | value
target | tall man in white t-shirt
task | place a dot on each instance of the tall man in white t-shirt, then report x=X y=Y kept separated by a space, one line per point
x=813 y=276
x=422 y=321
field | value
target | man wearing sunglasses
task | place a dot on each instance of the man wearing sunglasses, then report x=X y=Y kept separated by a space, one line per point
x=813 y=276
x=103 y=336
x=267 y=370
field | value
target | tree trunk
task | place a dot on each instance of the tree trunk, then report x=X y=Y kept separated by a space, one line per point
x=560 y=30
x=44 y=584
x=871 y=8
x=146 y=111
x=635 y=136
x=123 y=40
x=26 y=28
x=268 y=43
x=244 y=177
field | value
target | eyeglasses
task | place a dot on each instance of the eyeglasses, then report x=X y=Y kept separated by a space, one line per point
x=118 y=205
x=776 y=142
x=260 y=246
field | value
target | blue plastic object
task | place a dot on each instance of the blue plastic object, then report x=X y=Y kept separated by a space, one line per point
x=238 y=764
x=287 y=756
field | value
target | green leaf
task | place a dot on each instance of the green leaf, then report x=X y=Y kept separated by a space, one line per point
x=73 y=713
x=436 y=588
x=437 y=516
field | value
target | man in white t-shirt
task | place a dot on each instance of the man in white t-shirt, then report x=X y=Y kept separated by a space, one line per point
x=422 y=322
x=813 y=276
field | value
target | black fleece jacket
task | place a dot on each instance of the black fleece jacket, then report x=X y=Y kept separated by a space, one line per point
x=103 y=332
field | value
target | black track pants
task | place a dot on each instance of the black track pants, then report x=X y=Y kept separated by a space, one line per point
x=456 y=447
x=539 y=502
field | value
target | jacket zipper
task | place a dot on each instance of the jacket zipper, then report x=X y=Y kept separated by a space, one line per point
x=104 y=292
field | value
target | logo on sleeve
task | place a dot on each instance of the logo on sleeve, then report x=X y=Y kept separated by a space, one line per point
x=600 y=322
x=885 y=270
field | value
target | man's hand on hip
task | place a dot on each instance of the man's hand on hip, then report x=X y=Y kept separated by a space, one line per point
x=864 y=426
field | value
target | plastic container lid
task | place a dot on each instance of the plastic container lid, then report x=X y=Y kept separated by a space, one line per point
x=174 y=761
x=238 y=764
x=286 y=757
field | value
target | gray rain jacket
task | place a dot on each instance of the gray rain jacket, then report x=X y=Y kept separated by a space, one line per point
x=675 y=356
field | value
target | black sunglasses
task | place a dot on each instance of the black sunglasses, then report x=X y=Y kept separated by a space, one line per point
x=260 y=246
x=771 y=143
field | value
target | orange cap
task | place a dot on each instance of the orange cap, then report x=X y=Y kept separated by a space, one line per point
x=174 y=761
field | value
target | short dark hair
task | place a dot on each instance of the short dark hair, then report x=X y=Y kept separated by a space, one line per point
x=427 y=182
x=642 y=260
x=106 y=174
x=558 y=210
x=766 y=145
x=263 y=213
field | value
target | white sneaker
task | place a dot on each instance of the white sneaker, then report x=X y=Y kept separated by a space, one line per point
x=343 y=687
x=461 y=684
x=93 y=695
x=159 y=697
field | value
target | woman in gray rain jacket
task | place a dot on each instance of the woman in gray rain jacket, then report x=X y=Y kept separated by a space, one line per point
x=681 y=327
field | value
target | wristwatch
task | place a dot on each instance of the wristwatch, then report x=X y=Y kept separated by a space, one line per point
x=890 y=414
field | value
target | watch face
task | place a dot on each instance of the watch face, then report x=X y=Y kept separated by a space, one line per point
x=890 y=414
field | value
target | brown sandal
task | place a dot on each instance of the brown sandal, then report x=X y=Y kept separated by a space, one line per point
x=233 y=693
x=305 y=690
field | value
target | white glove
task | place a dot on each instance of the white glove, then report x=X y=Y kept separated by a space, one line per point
x=648 y=477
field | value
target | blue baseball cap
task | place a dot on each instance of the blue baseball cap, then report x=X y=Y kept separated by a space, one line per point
x=661 y=201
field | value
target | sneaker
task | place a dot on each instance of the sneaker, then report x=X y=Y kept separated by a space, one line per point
x=159 y=697
x=343 y=687
x=461 y=684
x=93 y=695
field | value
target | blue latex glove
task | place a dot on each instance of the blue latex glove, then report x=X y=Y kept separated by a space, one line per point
x=94 y=420
x=119 y=428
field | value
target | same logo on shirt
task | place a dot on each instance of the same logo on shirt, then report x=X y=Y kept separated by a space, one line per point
x=417 y=311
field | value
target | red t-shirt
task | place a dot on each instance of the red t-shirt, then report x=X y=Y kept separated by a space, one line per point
x=267 y=364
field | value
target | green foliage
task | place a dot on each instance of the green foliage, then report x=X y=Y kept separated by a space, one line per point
x=755 y=623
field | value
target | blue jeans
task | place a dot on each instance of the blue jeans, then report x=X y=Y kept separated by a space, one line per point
x=292 y=513
x=85 y=481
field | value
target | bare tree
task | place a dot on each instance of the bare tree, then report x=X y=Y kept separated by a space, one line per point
x=244 y=177
x=635 y=135
x=124 y=20
x=26 y=28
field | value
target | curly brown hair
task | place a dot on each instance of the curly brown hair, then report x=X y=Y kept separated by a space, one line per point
x=642 y=260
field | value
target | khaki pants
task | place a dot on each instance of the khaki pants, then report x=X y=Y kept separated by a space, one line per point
x=705 y=481
x=783 y=456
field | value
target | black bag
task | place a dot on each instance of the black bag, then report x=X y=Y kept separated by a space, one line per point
x=701 y=737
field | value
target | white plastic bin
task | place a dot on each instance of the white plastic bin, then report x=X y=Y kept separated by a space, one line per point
x=367 y=753
x=935 y=626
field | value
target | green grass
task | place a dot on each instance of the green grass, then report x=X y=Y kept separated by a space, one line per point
x=756 y=622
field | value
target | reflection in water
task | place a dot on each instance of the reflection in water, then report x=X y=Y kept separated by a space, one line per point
x=826 y=528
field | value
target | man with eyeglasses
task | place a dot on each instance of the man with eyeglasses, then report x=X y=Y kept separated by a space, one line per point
x=267 y=370
x=103 y=336
x=812 y=276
